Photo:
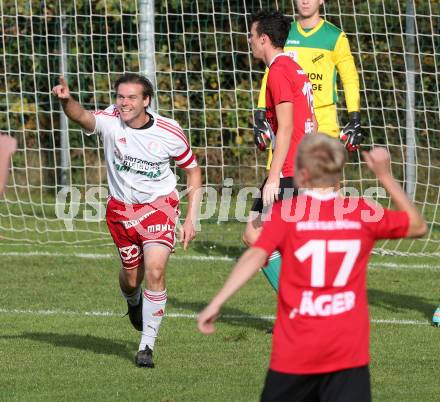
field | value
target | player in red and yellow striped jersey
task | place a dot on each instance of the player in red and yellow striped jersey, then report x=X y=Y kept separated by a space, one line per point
x=289 y=112
x=323 y=51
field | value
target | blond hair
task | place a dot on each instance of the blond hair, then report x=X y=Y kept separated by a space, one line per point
x=323 y=157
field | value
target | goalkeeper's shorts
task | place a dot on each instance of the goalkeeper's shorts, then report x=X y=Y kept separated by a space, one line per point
x=287 y=190
x=135 y=226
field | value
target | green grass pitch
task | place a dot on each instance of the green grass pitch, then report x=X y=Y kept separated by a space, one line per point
x=63 y=336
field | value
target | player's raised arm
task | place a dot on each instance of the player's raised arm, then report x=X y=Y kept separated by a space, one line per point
x=246 y=267
x=73 y=110
x=7 y=148
x=378 y=161
x=193 y=185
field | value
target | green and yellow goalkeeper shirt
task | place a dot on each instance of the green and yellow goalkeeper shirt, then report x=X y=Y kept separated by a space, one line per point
x=323 y=52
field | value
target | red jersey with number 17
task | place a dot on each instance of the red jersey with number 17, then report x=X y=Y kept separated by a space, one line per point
x=287 y=82
x=322 y=321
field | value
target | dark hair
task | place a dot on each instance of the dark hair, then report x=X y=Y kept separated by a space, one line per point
x=136 y=79
x=274 y=24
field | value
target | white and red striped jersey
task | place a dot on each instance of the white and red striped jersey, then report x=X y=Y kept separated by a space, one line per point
x=138 y=160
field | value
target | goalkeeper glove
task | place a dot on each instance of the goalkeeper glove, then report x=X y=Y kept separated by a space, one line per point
x=262 y=130
x=351 y=135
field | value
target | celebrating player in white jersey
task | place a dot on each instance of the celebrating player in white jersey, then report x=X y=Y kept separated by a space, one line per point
x=320 y=340
x=143 y=205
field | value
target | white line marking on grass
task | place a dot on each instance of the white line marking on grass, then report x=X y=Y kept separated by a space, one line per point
x=393 y=265
x=94 y=256
x=191 y=316
x=400 y=322
x=55 y=254
x=114 y=314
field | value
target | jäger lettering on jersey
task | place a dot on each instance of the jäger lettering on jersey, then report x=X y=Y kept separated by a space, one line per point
x=325 y=305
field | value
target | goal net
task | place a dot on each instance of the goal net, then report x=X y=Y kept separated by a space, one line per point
x=197 y=55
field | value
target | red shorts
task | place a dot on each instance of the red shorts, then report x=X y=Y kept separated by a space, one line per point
x=133 y=226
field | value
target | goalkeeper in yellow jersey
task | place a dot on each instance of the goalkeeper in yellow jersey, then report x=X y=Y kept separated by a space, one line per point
x=323 y=51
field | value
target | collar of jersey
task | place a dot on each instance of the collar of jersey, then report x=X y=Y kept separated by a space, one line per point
x=312 y=31
x=276 y=57
x=322 y=197
x=146 y=125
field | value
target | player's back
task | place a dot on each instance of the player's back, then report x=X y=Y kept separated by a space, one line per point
x=287 y=82
x=322 y=321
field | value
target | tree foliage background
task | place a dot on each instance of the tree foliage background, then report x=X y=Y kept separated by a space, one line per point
x=206 y=80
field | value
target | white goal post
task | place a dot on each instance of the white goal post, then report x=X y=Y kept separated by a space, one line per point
x=197 y=55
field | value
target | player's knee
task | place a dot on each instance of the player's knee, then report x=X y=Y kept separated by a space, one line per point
x=130 y=277
x=156 y=272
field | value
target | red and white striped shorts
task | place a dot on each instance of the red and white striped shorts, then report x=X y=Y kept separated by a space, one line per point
x=133 y=226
